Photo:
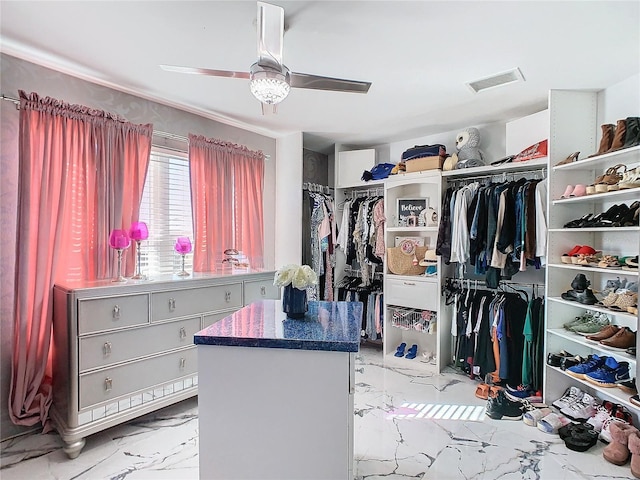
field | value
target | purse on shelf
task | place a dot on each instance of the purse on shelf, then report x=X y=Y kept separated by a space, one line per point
x=404 y=259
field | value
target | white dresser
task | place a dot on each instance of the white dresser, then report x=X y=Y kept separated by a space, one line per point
x=123 y=350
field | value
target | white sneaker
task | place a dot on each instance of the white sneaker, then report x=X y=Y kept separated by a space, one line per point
x=582 y=409
x=598 y=420
x=605 y=433
x=570 y=396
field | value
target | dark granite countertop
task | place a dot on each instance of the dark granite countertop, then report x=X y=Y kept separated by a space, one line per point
x=330 y=326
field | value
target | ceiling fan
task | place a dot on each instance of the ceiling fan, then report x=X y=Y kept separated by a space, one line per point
x=269 y=79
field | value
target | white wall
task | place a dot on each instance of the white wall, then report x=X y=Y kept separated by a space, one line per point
x=619 y=101
x=288 y=200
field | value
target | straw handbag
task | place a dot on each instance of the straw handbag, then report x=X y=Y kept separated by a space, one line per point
x=400 y=261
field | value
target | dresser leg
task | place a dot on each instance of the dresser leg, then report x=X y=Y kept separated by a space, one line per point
x=73 y=449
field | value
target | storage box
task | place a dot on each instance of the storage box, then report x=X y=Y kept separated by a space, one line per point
x=424 y=163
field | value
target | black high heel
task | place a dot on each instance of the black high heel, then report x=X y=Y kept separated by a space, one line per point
x=629 y=219
x=605 y=219
x=578 y=222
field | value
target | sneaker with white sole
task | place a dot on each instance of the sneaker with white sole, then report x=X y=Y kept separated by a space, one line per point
x=602 y=415
x=571 y=395
x=605 y=433
x=581 y=410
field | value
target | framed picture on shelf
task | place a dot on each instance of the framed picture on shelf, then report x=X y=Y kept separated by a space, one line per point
x=409 y=210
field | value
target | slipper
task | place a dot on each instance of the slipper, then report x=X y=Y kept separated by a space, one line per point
x=482 y=391
x=400 y=350
x=493 y=390
x=413 y=351
x=552 y=422
x=532 y=417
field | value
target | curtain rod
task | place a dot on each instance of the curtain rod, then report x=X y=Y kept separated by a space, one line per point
x=13 y=100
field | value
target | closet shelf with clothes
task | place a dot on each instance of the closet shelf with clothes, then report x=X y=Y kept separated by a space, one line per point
x=509 y=167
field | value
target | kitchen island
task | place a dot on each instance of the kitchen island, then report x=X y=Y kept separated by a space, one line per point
x=275 y=395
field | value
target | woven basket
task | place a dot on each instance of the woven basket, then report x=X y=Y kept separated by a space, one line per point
x=402 y=264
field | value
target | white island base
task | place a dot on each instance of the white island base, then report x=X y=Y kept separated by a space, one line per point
x=270 y=413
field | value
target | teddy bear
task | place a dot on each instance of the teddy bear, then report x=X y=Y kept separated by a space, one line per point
x=468 y=149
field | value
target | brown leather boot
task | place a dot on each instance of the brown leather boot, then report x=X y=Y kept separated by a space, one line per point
x=625 y=338
x=619 y=136
x=606 y=140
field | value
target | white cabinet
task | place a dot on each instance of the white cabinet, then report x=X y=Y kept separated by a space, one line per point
x=121 y=351
x=573 y=124
x=351 y=164
x=412 y=302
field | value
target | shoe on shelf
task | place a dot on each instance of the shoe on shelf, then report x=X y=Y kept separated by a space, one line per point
x=413 y=351
x=624 y=339
x=592 y=363
x=590 y=327
x=400 y=350
x=579 y=222
x=570 y=159
x=609 y=300
x=580 y=282
x=566 y=258
x=585 y=297
x=610 y=179
x=606 y=140
x=570 y=362
x=624 y=300
x=555 y=359
x=632 y=134
x=501 y=408
x=609 y=374
x=631 y=351
x=607 y=331
x=631 y=179
x=581 y=410
x=628 y=386
x=612 y=285
x=567 y=191
x=571 y=395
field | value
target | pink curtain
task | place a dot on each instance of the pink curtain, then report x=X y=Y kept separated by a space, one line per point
x=81 y=174
x=226 y=198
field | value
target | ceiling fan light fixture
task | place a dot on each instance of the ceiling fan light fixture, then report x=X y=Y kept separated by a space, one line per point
x=268 y=85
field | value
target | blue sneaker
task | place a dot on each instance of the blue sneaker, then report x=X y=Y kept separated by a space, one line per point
x=609 y=374
x=592 y=363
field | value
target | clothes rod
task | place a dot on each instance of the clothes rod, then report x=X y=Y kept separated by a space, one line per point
x=501 y=282
x=504 y=175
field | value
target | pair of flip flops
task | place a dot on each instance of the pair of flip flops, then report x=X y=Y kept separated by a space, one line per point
x=484 y=391
x=411 y=353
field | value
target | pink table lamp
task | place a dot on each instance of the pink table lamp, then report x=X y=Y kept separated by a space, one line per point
x=119 y=240
x=138 y=232
x=183 y=246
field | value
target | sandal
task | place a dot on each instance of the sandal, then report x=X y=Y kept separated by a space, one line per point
x=624 y=300
x=609 y=261
x=400 y=350
x=609 y=181
x=566 y=258
x=493 y=390
x=482 y=391
x=608 y=300
x=552 y=423
x=631 y=179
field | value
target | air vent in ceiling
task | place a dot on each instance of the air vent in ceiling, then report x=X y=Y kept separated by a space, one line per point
x=497 y=80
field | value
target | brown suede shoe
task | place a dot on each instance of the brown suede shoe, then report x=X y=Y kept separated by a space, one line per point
x=606 y=332
x=625 y=338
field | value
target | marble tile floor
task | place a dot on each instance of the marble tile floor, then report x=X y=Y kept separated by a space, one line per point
x=397 y=436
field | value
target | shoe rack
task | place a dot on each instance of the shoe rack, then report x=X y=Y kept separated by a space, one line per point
x=406 y=297
x=574 y=127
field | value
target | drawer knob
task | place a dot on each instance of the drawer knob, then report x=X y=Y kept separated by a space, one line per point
x=172 y=304
x=227 y=296
x=263 y=290
x=108 y=384
x=409 y=283
x=360 y=370
x=183 y=362
x=106 y=349
x=116 y=311
x=183 y=333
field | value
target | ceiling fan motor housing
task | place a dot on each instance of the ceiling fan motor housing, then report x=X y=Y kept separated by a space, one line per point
x=269 y=85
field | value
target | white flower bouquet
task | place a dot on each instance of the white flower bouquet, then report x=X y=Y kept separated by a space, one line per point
x=298 y=276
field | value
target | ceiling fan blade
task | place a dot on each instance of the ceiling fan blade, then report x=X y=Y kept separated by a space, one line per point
x=270 y=35
x=205 y=71
x=316 y=82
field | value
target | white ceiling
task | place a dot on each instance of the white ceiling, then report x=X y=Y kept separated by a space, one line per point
x=418 y=56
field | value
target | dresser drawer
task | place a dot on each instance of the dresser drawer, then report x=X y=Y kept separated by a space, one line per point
x=109 y=348
x=100 y=314
x=412 y=293
x=182 y=303
x=114 y=382
x=260 y=290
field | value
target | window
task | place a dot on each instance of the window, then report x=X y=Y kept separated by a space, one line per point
x=166 y=209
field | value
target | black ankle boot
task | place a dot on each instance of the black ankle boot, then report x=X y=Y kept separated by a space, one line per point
x=580 y=283
x=632 y=135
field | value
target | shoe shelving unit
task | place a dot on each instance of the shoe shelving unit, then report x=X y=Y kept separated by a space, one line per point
x=413 y=294
x=574 y=127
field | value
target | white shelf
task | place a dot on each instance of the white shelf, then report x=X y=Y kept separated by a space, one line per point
x=536 y=164
x=595 y=229
x=412 y=278
x=595 y=308
x=585 y=268
x=579 y=339
x=618 y=394
x=412 y=229
x=617 y=195
x=606 y=160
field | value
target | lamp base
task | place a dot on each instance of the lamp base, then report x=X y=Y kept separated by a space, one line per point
x=139 y=276
x=183 y=273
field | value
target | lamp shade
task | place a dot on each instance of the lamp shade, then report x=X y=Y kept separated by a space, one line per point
x=138 y=231
x=119 y=239
x=183 y=245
